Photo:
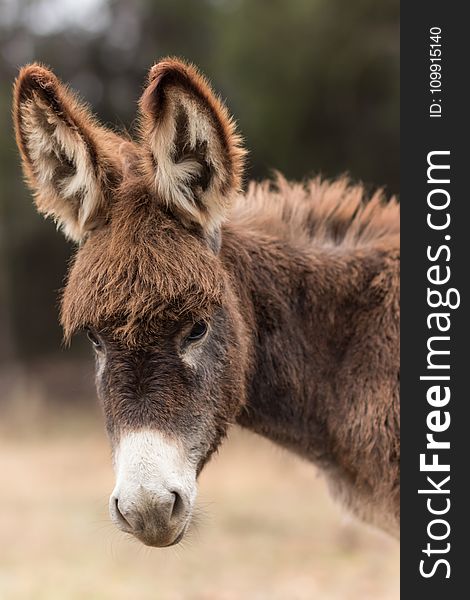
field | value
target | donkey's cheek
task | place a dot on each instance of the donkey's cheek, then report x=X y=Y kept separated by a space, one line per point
x=100 y=368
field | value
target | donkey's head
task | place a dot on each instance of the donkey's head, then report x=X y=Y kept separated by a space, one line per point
x=147 y=282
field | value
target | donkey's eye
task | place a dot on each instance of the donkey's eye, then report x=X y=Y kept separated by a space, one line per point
x=93 y=339
x=197 y=332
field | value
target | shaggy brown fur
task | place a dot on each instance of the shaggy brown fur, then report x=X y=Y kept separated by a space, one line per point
x=134 y=269
x=320 y=212
x=299 y=286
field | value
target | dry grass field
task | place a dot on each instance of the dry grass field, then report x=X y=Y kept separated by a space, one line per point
x=266 y=529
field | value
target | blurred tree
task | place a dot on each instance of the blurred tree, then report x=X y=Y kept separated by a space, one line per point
x=314 y=85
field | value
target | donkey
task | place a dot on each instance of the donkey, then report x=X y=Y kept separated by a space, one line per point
x=277 y=309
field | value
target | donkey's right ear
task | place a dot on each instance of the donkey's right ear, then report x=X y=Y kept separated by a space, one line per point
x=64 y=152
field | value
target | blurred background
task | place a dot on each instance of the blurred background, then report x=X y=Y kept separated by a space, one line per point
x=314 y=86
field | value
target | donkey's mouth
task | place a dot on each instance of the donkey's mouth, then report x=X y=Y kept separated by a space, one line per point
x=156 y=541
x=178 y=538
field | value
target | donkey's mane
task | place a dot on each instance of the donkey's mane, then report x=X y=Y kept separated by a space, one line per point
x=319 y=212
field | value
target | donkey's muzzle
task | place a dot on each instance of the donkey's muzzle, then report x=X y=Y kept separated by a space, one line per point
x=155 y=488
x=155 y=517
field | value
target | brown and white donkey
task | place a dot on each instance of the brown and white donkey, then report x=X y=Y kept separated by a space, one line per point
x=276 y=309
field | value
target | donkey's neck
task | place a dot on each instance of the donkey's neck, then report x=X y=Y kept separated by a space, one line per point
x=311 y=316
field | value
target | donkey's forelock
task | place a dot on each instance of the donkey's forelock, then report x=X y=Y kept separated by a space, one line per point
x=142 y=265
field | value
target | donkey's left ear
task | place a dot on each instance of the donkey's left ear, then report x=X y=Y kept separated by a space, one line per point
x=195 y=157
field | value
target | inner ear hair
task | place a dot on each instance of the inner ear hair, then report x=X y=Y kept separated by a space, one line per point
x=184 y=148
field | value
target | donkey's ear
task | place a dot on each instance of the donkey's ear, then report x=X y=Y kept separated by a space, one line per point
x=195 y=157
x=63 y=152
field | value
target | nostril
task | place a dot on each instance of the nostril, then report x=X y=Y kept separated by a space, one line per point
x=120 y=517
x=178 y=505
